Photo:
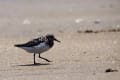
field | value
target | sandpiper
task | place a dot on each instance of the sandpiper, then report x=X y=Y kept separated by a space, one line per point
x=39 y=45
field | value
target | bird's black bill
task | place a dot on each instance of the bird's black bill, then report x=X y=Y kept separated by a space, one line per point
x=56 y=40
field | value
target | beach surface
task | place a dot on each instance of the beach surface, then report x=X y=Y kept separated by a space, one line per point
x=89 y=31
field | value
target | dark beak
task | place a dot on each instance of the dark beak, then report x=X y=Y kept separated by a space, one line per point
x=56 y=40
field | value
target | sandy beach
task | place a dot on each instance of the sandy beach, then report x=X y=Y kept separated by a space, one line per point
x=89 y=31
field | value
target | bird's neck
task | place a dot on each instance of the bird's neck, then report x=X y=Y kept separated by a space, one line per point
x=50 y=43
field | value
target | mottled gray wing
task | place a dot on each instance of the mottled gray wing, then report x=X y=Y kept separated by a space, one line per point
x=33 y=42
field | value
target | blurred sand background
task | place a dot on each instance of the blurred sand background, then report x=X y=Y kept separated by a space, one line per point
x=88 y=30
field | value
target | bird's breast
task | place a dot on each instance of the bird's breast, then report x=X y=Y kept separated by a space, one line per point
x=41 y=48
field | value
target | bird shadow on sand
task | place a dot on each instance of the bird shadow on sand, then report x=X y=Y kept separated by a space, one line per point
x=37 y=64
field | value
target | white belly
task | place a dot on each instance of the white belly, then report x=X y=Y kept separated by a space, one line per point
x=37 y=49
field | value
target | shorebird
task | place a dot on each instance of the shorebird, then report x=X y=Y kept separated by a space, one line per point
x=39 y=45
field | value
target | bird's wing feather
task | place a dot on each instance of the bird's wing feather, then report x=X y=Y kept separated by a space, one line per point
x=33 y=42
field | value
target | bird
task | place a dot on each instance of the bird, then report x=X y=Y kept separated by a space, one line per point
x=39 y=45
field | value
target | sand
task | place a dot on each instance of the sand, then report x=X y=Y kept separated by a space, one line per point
x=88 y=31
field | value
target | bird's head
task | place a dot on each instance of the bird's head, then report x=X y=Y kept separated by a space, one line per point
x=51 y=37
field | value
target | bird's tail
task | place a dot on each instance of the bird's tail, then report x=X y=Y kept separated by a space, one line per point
x=18 y=45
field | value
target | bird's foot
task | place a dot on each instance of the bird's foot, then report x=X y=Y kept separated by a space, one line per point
x=48 y=60
x=36 y=63
x=45 y=59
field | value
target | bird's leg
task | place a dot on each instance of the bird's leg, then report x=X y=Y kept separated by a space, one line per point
x=44 y=58
x=39 y=55
x=34 y=59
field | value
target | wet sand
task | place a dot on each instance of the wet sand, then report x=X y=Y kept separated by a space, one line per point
x=80 y=56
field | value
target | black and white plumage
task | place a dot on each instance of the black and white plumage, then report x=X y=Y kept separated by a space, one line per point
x=39 y=45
